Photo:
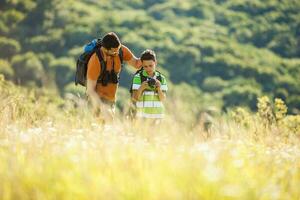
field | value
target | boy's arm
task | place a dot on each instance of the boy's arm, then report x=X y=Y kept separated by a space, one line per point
x=161 y=94
x=137 y=93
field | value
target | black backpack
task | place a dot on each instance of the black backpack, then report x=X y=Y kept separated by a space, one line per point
x=83 y=59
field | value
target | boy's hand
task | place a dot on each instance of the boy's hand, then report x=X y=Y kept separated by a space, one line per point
x=157 y=84
x=144 y=85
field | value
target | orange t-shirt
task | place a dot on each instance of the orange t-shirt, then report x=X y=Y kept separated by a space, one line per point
x=94 y=69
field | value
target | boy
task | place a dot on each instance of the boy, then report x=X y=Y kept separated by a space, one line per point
x=149 y=88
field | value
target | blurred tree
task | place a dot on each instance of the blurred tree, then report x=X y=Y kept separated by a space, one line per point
x=8 y=47
x=64 y=69
x=241 y=96
x=6 y=69
x=28 y=68
x=213 y=84
x=207 y=44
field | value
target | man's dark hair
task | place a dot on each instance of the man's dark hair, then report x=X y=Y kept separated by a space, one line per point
x=148 y=55
x=110 y=40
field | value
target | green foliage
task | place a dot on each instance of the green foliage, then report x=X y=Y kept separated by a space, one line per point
x=270 y=116
x=265 y=110
x=8 y=47
x=6 y=69
x=294 y=103
x=280 y=109
x=64 y=71
x=270 y=112
x=28 y=69
x=22 y=5
x=235 y=50
x=292 y=122
x=213 y=84
x=12 y=17
x=240 y=96
x=241 y=116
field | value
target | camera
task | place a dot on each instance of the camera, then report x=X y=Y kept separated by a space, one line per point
x=151 y=82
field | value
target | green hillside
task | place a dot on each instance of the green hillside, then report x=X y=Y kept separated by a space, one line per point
x=223 y=53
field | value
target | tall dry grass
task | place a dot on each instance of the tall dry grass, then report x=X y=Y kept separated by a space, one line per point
x=54 y=149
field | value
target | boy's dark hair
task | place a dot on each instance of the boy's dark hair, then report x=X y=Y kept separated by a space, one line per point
x=110 y=40
x=148 y=55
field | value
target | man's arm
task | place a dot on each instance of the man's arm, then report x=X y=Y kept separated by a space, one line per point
x=130 y=58
x=91 y=86
x=135 y=62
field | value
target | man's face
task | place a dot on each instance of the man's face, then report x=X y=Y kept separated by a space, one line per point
x=149 y=66
x=112 y=51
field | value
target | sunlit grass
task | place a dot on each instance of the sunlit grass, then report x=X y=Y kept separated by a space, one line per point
x=60 y=152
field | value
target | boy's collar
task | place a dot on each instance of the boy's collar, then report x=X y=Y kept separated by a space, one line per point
x=145 y=73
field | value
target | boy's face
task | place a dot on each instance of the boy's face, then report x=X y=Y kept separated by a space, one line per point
x=149 y=66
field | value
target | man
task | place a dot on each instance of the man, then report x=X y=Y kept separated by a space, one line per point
x=149 y=89
x=103 y=95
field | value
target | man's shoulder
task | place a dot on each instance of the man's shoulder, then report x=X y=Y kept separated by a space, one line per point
x=93 y=61
x=124 y=46
x=125 y=49
x=127 y=54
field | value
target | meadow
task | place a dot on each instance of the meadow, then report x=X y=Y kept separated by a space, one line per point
x=52 y=148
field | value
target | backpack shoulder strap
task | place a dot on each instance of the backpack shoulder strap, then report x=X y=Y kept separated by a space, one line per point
x=121 y=56
x=143 y=78
x=159 y=77
x=102 y=63
x=137 y=72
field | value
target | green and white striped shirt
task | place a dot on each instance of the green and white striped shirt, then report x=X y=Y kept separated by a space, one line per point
x=149 y=105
